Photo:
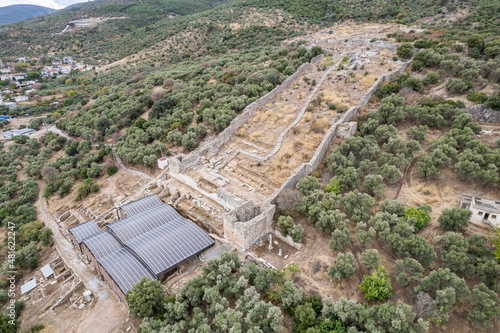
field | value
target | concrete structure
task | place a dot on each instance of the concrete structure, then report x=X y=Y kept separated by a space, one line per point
x=484 y=210
x=20 y=76
x=7 y=77
x=11 y=133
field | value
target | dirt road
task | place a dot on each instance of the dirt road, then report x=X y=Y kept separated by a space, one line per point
x=108 y=314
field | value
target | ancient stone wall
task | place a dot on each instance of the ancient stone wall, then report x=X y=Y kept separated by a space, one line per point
x=244 y=234
x=245 y=225
x=211 y=147
x=307 y=168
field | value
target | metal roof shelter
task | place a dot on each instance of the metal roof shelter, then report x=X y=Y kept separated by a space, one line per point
x=84 y=230
x=165 y=247
x=135 y=225
x=30 y=285
x=150 y=241
x=141 y=204
x=47 y=271
x=125 y=268
x=161 y=237
x=103 y=244
x=121 y=264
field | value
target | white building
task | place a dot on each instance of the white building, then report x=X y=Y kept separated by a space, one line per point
x=18 y=99
x=65 y=69
x=484 y=210
x=5 y=70
x=11 y=133
x=162 y=162
x=68 y=60
x=20 y=76
x=10 y=105
x=57 y=62
x=7 y=77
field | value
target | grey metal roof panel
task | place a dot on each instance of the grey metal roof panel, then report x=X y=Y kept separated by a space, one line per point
x=47 y=271
x=84 y=230
x=103 y=244
x=166 y=246
x=137 y=206
x=142 y=222
x=125 y=269
x=28 y=286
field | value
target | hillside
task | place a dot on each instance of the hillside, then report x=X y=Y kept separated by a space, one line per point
x=14 y=13
x=326 y=145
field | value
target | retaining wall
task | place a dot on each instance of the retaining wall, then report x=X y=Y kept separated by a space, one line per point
x=307 y=168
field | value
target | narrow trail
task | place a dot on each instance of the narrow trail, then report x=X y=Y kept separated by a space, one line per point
x=118 y=159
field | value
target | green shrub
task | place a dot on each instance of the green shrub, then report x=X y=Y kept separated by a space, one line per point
x=494 y=102
x=333 y=186
x=112 y=170
x=405 y=50
x=377 y=286
x=421 y=216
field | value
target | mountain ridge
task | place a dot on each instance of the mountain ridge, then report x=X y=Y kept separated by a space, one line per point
x=16 y=13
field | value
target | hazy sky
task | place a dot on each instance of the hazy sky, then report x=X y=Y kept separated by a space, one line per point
x=56 y=4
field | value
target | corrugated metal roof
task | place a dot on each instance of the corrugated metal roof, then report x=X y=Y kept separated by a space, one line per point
x=121 y=264
x=125 y=269
x=84 y=230
x=142 y=222
x=102 y=244
x=141 y=204
x=166 y=246
x=148 y=243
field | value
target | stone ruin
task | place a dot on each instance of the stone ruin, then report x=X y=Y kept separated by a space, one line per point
x=244 y=202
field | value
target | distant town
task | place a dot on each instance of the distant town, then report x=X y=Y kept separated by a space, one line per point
x=20 y=78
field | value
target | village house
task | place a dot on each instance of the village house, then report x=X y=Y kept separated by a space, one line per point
x=65 y=69
x=68 y=60
x=484 y=210
x=49 y=72
x=20 y=76
x=7 y=77
x=20 y=98
x=10 y=105
x=5 y=70
x=57 y=62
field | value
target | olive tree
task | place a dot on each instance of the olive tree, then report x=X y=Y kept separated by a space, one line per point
x=146 y=298
x=408 y=270
x=485 y=306
x=307 y=184
x=340 y=239
x=370 y=258
x=454 y=218
x=343 y=267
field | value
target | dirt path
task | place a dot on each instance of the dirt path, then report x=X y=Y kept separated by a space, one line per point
x=119 y=160
x=108 y=313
